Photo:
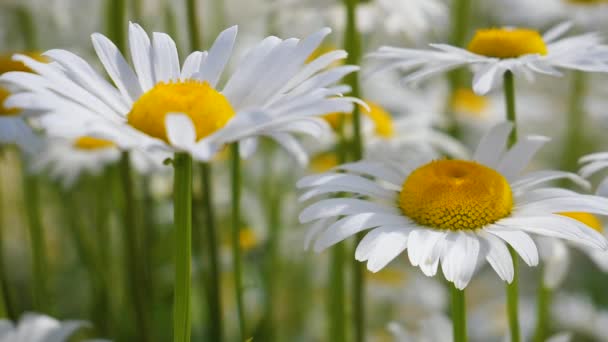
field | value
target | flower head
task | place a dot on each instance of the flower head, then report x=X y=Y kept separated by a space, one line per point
x=158 y=103
x=492 y=52
x=450 y=212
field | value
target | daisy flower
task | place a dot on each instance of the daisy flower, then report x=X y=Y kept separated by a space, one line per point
x=450 y=212
x=555 y=254
x=493 y=52
x=160 y=104
x=13 y=126
x=38 y=328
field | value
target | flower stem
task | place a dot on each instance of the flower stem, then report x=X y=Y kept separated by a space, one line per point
x=116 y=12
x=542 y=311
x=194 y=29
x=352 y=44
x=182 y=216
x=31 y=187
x=512 y=289
x=459 y=314
x=236 y=228
x=214 y=281
x=134 y=266
x=5 y=305
x=575 y=122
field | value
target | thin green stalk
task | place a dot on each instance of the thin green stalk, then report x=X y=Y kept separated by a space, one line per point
x=236 y=228
x=512 y=289
x=575 y=122
x=182 y=216
x=352 y=44
x=214 y=281
x=103 y=240
x=542 y=311
x=116 y=25
x=509 y=89
x=460 y=19
x=337 y=284
x=137 y=10
x=28 y=28
x=5 y=309
x=134 y=266
x=194 y=29
x=40 y=268
x=459 y=314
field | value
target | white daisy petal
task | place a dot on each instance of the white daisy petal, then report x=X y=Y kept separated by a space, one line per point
x=343 y=206
x=390 y=242
x=498 y=257
x=166 y=60
x=493 y=144
x=192 y=64
x=519 y=156
x=180 y=130
x=117 y=68
x=213 y=66
x=521 y=242
x=141 y=56
x=351 y=225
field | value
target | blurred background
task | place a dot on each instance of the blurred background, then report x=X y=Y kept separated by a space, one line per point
x=90 y=255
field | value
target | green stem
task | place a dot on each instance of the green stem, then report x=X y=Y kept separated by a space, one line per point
x=460 y=18
x=182 y=215
x=512 y=289
x=236 y=227
x=459 y=314
x=38 y=248
x=214 y=281
x=542 y=311
x=193 y=25
x=5 y=309
x=509 y=89
x=336 y=303
x=134 y=266
x=103 y=239
x=137 y=8
x=575 y=138
x=28 y=28
x=116 y=23
x=352 y=44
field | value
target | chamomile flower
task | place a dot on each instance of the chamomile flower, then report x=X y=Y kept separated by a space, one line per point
x=555 y=253
x=450 y=212
x=38 y=328
x=160 y=104
x=492 y=52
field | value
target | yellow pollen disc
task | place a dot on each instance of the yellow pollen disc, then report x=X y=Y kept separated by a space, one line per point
x=588 y=219
x=382 y=120
x=208 y=109
x=3 y=110
x=320 y=51
x=467 y=102
x=8 y=64
x=455 y=195
x=247 y=239
x=507 y=43
x=323 y=162
x=91 y=143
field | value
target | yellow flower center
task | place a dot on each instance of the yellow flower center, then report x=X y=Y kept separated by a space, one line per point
x=91 y=143
x=465 y=101
x=3 y=110
x=455 y=195
x=8 y=64
x=323 y=162
x=588 y=219
x=247 y=239
x=507 y=43
x=388 y=276
x=208 y=109
x=382 y=120
x=320 y=51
